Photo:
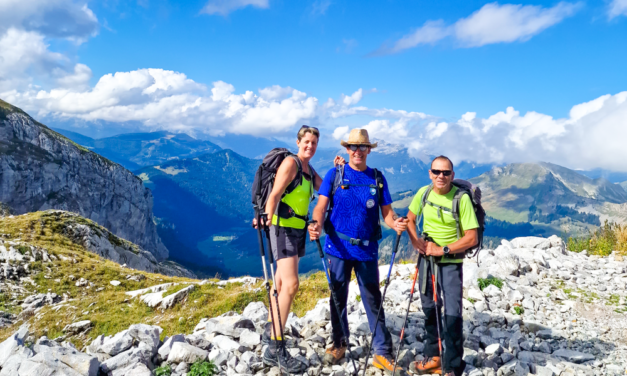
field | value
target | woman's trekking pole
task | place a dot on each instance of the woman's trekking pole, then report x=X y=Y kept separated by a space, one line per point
x=385 y=289
x=411 y=296
x=335 y=302
x=265 y=271
x=276 y=293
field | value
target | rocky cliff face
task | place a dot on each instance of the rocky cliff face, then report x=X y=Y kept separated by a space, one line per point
x=40 y=169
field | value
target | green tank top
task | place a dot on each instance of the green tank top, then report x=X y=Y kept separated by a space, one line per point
x=298 y=200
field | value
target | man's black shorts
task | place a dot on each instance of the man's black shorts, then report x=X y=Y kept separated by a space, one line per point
x=290 y=242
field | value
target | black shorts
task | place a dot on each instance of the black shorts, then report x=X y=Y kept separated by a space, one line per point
x=290 y=242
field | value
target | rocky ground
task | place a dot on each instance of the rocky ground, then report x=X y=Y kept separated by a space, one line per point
x=555 y=313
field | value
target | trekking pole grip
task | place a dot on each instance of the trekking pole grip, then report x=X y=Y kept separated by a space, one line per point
x=400 y=232
x=320 y=251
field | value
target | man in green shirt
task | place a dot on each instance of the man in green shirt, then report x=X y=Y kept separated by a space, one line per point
x=448 y=248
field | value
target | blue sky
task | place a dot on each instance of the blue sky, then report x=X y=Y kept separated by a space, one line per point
x=429 y=75
x=294 y=43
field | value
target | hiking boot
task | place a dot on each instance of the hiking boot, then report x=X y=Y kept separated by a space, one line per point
x=427 y=366
x=275 y=356
x=334 y=354
x=267 y=333
x=386 y=363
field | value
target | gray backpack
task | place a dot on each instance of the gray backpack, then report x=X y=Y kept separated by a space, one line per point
x=474 y=192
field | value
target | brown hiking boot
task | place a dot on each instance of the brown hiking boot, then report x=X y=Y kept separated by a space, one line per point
x=386 y=363
x=427 y=366
x=334 y=354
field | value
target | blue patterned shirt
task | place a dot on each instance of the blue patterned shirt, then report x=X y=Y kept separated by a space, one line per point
x=355 y=213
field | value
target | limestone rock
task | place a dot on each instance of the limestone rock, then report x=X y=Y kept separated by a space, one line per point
x=184 y=352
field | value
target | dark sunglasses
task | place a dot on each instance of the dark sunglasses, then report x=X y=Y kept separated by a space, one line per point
x=361 y=147
x=307 y=127
x=443 y=172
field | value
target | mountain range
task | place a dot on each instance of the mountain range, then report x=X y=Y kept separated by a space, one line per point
x=549 y=195
x=135 y=150
x=199 y=191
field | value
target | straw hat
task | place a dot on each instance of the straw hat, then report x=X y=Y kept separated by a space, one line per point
x=358 y=137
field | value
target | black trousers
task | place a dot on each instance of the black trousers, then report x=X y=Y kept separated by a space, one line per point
x=449 y=285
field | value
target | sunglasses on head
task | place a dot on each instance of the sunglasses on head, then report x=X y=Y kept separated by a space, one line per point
x=360 y=147
x=307 y=127
x=443 y=172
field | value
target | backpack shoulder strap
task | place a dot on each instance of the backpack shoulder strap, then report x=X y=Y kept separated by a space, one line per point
x=378 y=177
x=423 y=202
x=338 y=179
x=298 y=178
x=457 y=198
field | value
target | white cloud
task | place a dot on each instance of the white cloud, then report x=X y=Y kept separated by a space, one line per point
x=26 y=29
x=224 y=7
x=169 y=100
x=353 y=98
x=436 y=130
x=341 y=133
x=52 y=18
x=493 y=23
x=78 y=79
x=617 y=8
x=591 y=136
x=429 y=33
x=275 y=92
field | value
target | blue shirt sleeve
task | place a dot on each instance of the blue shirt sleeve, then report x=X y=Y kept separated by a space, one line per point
x=327 y=183
x=387 y=197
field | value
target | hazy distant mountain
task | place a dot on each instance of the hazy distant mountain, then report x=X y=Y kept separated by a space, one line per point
x=551 y=196
x=250 y=146
x=134 y=150
x=612 y=176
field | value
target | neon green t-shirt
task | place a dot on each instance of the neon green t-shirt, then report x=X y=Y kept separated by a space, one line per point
x=440 y=224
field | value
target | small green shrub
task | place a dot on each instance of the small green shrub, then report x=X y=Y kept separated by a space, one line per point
x=519 y=310
x=473 y=301
x=203 y=368
x=485 y=282
x=23 y=249
x=602 y=241
x=163 y=370
x=358 y=298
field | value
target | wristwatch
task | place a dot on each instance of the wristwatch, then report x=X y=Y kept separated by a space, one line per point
x=446 y=250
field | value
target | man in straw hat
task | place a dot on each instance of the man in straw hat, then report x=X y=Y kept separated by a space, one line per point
x=354 y=193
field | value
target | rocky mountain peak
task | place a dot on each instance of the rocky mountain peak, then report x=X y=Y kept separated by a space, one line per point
x=41 y=169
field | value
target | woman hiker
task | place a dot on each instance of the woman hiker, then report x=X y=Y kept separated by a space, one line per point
x=288 y=237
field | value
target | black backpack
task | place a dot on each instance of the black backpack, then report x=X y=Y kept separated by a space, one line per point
x=264 y=181
x=338 y=182
x=474 y=192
